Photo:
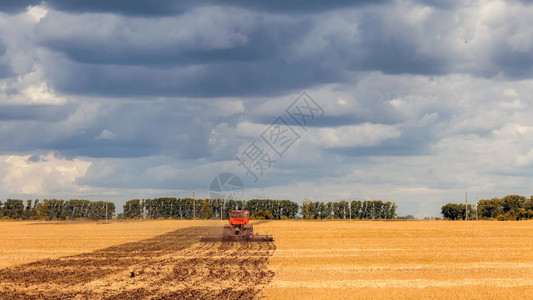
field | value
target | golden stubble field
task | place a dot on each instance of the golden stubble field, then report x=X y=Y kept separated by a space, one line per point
x=23 y=242
x=308 y=260
x=411 y=259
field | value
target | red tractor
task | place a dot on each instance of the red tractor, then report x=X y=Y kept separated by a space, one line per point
x=239 y=228
x=239 y=225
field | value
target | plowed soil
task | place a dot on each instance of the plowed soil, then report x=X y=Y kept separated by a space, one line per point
x=175 y=265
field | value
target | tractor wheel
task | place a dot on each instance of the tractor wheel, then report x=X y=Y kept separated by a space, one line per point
x=227 y=232
x=248 y=233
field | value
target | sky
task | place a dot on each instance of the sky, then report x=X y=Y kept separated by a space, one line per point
x=414 y=102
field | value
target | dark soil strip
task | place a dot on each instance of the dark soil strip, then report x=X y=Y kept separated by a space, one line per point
x=170 y=266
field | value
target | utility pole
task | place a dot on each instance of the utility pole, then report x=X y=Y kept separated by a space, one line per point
x=477 y=210
x=221 y=213
x=193 y=206
x=350 y=207
x=106 y=212
x=466 y=206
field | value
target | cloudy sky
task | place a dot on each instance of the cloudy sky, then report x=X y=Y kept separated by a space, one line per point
x=129 y=99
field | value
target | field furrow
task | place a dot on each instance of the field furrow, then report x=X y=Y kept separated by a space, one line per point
x=172 y=265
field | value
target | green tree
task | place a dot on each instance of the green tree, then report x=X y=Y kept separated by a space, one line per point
x=217 y=206
x=327 y=211
x=206 y=211
x=453 y=211
x=377 y=208
x=14 y=208
x=40 y=210
x=390 y=212
x=355 y=207
x=262 y=215
x=489 y=209
x=55 y=209
x=367 y=209
x=97 y=210
x=288 y=209
x=186 y=208
x=511 y=206
x=307 y=209
x=27 y=210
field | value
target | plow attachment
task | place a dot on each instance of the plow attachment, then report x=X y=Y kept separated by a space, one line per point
x=237 y=238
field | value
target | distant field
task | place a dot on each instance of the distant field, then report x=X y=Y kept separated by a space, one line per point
x=412 y=259
x=27 y=241
x=322 y=259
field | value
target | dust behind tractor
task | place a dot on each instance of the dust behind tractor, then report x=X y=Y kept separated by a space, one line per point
x=238 y=229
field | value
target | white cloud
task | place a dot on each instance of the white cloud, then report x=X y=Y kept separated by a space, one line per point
x=27 y=84
x=514 y=130
x=36 y=13
x=366 y=134
x=105 y=135
x=48 y=175
x=525 y=160
x=37 y=94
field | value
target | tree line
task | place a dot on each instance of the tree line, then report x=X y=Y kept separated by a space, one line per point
x=187 y=208
x=53 y=209
x=349 y=210
x=511 y=207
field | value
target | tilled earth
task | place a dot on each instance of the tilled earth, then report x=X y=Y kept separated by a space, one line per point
x=175 y=265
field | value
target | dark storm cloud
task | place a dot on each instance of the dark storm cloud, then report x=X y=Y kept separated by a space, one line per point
x=15 y=6
x=5 y=70
x=396 y=147
x=442 y=4
x=172 y=42
x=264 y=63
x=511 y=64
x=40 y=113
x=393 y=50
x=114 y=130
x=301 y=5
x=270 y=77
x=84 y=144
x=221 y=56
x=228 y=52
x=141 y=129
x=2 y=47
x=127 y=7
x=29 y=127
x=172 y=7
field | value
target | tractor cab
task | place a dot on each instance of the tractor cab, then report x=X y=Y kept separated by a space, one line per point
x=239 y=217
x=239 y=229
